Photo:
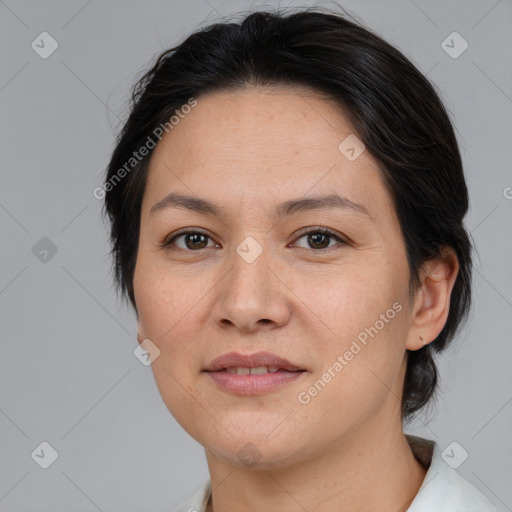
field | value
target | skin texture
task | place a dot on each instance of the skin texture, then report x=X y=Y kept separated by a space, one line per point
x=247 y=152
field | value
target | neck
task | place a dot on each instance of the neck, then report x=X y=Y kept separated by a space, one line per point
x=371 y=469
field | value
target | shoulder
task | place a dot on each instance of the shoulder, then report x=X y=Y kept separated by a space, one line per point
x=444 y=489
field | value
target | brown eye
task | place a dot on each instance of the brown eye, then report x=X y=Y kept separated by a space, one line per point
x=190 y=240
x=321 y=238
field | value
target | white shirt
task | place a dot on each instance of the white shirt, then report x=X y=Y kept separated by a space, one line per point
x=443 y=489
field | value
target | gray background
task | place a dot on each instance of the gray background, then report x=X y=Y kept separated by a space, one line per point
x=68 y=375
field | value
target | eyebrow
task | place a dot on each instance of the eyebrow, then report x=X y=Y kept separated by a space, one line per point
x=290 y=207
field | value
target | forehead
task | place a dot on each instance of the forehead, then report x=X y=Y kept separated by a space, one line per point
x=246 y=120
x=264 y=143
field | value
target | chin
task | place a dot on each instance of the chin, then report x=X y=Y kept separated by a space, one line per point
x=255 y=457
x=256 y=448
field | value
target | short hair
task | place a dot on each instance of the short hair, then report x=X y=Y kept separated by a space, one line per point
x=390 y=104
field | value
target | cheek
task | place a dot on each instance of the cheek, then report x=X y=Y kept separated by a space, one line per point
x=346 y=302
x=357 y=328
x=355 y=382
x=169 y=302
x=183 y=401
x=166 y=309
x=171 y=312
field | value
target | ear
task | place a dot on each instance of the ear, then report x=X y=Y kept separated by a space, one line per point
x=432 y=301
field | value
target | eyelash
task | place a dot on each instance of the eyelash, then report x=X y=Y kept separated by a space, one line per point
x=169 y=240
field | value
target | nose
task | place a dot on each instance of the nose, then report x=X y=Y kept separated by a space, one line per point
x=252 y=296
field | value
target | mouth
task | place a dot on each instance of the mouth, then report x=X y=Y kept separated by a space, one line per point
x=258 y=370
x=253 y=374
x=256 y=361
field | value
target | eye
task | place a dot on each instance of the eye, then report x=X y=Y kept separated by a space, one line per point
x=320 y=238
x=191 y=240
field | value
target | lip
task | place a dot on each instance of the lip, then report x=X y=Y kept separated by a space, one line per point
x=251 y=385
x=250 y=361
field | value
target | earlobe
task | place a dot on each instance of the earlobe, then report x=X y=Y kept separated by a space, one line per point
x=432 y=301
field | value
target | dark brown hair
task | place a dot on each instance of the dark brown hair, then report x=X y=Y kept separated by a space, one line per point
x=392 y=107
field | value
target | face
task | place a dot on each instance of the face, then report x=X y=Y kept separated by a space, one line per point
x=253 y=272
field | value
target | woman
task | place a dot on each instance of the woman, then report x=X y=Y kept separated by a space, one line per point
x=286 y=203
